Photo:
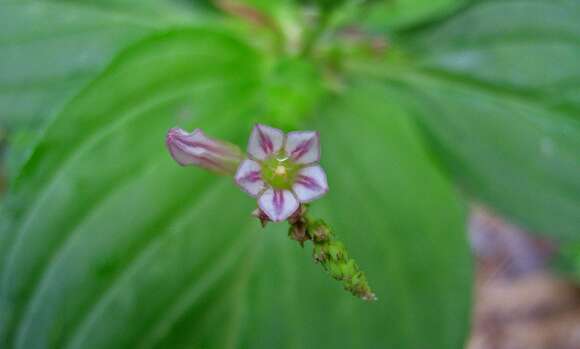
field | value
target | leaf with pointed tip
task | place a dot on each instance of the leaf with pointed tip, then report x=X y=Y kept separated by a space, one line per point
x=528 y=47
x=401 y=221
x=499 y=103
x=104 y=155
x=112 y=245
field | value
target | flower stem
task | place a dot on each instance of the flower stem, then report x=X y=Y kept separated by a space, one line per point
x=330 y=253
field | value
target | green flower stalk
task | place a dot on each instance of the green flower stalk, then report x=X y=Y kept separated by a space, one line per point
x=283 y=173
x=330 y=253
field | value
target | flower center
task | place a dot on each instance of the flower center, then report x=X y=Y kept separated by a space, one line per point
x=279 y=172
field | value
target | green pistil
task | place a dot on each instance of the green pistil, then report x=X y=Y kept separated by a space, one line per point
x=279 y=172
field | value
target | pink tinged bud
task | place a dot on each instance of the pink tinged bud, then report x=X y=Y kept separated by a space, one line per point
x=197 y=149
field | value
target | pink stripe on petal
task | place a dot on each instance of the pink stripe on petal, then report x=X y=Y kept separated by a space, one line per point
x=264 y=141
x=310 y=184
x=303 y=146
x=302 y=149
x=253 y=177
x=206 y=146
x=211 y=164
x=249 y=177
x=278 y=202
x=278 y=205
x=196 y=148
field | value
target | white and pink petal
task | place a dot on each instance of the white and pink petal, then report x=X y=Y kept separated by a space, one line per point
x=303 y=147
x=278 y=205
x=265 y=141
x=310 y=183
x=249 y=177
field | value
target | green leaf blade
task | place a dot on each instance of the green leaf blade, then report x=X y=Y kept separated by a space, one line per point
x=113 y=245
x=118 y=135
x=409 y=218
x=529 y=46
x=50 y=50
x=385 y=14
x=499 y=103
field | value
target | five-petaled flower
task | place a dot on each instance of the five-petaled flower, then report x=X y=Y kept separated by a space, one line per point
x=282 y=170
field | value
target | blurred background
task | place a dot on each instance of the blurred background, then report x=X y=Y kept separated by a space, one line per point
x=450 y=135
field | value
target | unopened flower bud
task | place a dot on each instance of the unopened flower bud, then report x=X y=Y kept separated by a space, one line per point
x=197 y=149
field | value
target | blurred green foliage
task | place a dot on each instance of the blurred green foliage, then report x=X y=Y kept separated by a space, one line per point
x=422 y=106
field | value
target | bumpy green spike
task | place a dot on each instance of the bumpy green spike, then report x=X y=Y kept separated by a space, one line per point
x=331 y=254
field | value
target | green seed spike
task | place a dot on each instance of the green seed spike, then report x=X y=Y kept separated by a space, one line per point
x=330 y=253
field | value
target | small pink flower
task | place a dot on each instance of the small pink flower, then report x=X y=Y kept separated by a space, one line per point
x=282 y=170
x=197 y=149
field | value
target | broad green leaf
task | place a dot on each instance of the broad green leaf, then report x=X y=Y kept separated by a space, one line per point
x=525 y=46
x=389 y=14
x=566 y=261
x=292 y=91
x=512 y=153
x=402 y=222
x=51 y=49
x=149 y=10
x=106 y=146
x=411 y=216
x=112 y=245
x=498 y=102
